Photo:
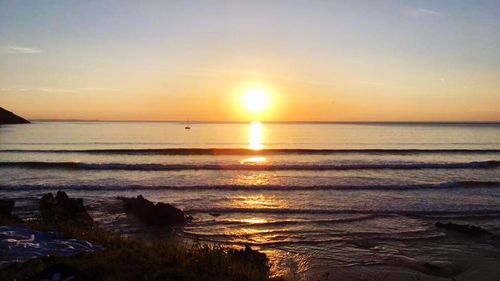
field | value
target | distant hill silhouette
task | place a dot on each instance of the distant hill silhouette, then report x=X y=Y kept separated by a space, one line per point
x=7 y=117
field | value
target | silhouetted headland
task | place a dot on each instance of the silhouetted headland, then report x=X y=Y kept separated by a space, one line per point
x=7 y=117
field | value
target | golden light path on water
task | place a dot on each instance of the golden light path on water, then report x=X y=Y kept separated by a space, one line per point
x=252 y=229
x=255 y=142
x=256 y=136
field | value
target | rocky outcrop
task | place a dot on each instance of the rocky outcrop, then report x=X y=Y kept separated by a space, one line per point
x=466 y=229
x=62 y=209
x=6 y=207
x=149 y=213
x=7 y=117
x=257 y=258
x=6 y=217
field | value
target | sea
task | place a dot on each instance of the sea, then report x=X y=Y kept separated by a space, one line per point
x=323 y=200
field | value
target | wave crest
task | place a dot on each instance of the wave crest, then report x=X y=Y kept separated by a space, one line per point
x=490 y=164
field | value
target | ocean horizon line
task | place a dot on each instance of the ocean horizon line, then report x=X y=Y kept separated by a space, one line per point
x=436 y=122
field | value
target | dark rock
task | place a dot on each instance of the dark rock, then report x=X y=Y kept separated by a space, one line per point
x=7 y=117
x=6 y=207
x=149 y=213
x=446 y=269
x=432 y=267
x=6 y=217
x=257 y=258
x=466 y=229
x=62 y=209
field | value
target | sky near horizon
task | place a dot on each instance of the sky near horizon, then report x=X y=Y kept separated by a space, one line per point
x=317 y=60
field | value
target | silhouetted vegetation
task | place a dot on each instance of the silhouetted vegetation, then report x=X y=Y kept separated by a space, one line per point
x=140 y=259
x=130 y=258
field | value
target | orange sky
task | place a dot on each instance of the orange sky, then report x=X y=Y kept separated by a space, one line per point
x=318 y=61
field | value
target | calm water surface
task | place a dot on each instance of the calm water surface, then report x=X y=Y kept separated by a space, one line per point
x=316 y=197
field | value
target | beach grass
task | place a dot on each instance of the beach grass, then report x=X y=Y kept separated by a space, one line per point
x=145 y=259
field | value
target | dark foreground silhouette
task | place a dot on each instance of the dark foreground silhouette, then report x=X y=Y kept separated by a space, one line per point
x=120 y=258
x=97 y=254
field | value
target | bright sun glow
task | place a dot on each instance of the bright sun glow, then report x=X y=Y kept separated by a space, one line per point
x=256 y=100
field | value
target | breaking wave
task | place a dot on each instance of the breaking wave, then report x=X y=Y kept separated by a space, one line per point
x=491 y=164
x=399 y=187
x=243 y=151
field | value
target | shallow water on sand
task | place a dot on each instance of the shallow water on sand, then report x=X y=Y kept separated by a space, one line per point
x=354 y=200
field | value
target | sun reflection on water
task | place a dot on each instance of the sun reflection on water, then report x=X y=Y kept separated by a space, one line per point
x=255 y=178
x=253 y=220
x=253 y=160
x=256 y=136
x=260 y=201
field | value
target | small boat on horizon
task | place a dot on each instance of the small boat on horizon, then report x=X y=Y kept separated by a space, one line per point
x=187 y=128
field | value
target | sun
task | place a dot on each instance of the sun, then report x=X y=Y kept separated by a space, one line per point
x=256 y=100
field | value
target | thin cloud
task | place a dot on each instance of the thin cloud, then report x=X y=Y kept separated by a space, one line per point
x=18 y=50
x=97 y=89
x=423 y=13
x=60 y=90
x=52 y=90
